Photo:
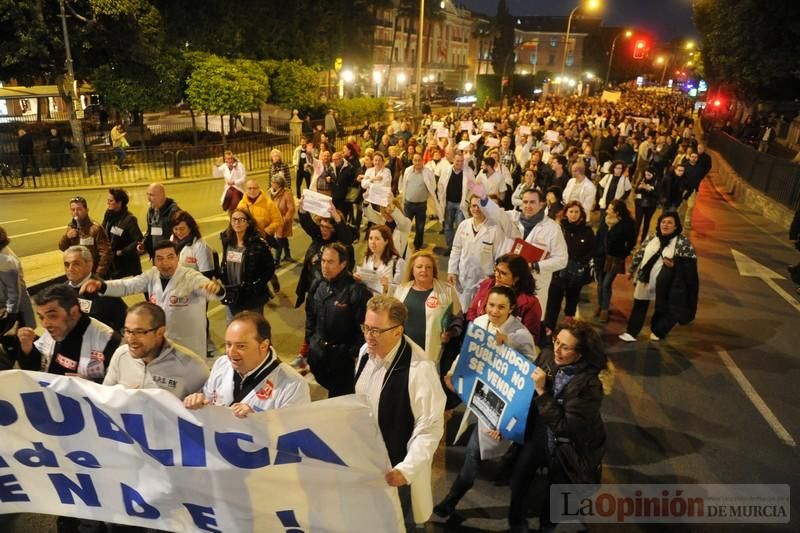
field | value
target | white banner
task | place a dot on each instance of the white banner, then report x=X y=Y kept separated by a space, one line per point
x=138 y=457
x=317 y=203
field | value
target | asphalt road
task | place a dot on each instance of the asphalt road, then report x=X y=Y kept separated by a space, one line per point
x=714 y=403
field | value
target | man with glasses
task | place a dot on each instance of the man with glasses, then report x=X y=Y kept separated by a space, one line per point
x=83 y=231
x=181 y=292
x=73 y=343
x=251 y=377
x=335 y=308
x=150 y=361
x=403 y=389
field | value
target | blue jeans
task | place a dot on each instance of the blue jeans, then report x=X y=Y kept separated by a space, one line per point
x=472 y=458
x=417 y=211
x=453 y=216
x=604 y=286
x=119 y=151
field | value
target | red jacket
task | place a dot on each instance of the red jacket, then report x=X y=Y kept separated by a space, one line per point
x=528 y=309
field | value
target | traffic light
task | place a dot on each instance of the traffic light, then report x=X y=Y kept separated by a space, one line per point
x=639 y=48
x=717 y=102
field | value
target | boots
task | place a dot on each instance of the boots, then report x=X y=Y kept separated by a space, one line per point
x=446 y=507
x=603 y=316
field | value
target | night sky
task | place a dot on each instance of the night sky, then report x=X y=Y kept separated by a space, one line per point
x=665 y=19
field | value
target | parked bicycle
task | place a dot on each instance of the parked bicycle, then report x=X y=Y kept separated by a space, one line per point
x=11 y=176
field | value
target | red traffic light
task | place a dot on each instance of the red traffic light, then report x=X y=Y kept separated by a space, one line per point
x=639 y=49
x=717 y=102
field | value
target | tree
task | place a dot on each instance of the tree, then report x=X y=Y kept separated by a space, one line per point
x=226 y=87
x=292 y=84
x=504 y=39
x=750 y=47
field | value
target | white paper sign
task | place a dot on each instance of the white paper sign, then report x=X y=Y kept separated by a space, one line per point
x=435 y=125
x=488 y=126
x=371 y=279
x=463 y=145
x=138 y=457
x=317 y=203
x=466 y=125
x=551 y=135
x=378 y=195
x=474 y=138
x=491 y=142
x=524 y=130
x=442 y=132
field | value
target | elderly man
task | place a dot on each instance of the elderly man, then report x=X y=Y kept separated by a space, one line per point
x=403 y=389
x=78 y=268
x=150 y=361
x=82 y=230
x=181 y=292
x=336 y=306
x=580 y=188
x=416 y=186
x=250 y=378
x=73 y=344
x=159 y=218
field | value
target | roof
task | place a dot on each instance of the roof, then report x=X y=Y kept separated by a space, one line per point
x=36 y=91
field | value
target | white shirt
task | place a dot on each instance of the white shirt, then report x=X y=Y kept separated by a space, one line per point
x=584 y=192
x=370 y=382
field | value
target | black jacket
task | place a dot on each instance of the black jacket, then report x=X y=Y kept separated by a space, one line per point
x=161 y=218
x=258 y=267
x=580 y=241
x=648 y=199
x=124 y=234
x=677 y=290
x=672 y=188
x=25 y=144
x=343 y=179
x=620 y=239
x=109 y=310
x=574 y=418
x=311 y=266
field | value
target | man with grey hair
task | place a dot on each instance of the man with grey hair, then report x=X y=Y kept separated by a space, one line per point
x=406 y=397
x=109 y=310
x=150 y=361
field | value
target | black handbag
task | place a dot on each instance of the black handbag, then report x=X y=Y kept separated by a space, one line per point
x=576 y=274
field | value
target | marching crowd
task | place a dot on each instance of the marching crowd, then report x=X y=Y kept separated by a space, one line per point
x=536 y=201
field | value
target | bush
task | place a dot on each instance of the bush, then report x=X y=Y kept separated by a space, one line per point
x=359 y=110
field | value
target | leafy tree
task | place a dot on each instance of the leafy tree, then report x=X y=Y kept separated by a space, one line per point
x=750 y=46
x=504 y=39
x=292 y=84
x=221 y=86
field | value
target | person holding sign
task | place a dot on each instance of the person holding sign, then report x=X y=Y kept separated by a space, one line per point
x=250 y=378
x=402 y=386
x=565 y=431
x=500 y=321
x=383 y=267
x=247 y=264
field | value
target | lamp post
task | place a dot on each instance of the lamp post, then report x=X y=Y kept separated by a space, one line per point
x=591 y=5
x=627 y=34
x=661 y=60
x=71 y=97
x=418 y=103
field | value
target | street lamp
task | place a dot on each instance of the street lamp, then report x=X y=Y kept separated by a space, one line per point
x=590 y=5
x=689 y=45
x=659 y=61
x=377 y=77
x=401 y=80
x=468 y=87
x=628 y=34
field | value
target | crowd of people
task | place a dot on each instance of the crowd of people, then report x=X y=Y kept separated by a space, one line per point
x=536 y=201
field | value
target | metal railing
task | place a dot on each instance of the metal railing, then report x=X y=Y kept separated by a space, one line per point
x=776 y=177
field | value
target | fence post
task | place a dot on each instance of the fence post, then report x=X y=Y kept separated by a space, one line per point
x=295 y=129
x=166 y=154
x=177 y=168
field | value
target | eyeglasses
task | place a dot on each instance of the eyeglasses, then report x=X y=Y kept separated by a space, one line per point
x=137 y=332
x=374 y=332
x=557 y=344
x=235 y=220
x=78 y=199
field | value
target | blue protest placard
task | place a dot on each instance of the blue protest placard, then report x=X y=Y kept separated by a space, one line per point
x=494 y=382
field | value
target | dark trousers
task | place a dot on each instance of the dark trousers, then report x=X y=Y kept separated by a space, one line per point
x=301 y=177
x=533 y=454
x=555 y=295
x=643 y=217
x=282 y=248
x=27 y=160
x=661 y=323
x=404 y=493
x=417 y=211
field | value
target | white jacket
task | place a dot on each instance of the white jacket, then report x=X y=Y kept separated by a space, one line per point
x=467 y=175
x=430 y=183
x=283 y=387
x=472 y=256
x=427 y=405
x=235 y=178
x=183 y=301
x=584 y=192
x=623 y=186
x=92 y=363
x=546 y=235
x=197 y=256
x=175 y=370
x=401 y=230
x=495 y=184
x=384 y=177
x=442 y=298
x=393 y=270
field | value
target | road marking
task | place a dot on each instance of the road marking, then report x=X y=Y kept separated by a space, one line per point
x=37 y=232
x=754 y=397
x=748 y=267
x=13 y=221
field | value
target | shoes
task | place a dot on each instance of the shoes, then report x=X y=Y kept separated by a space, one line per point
x=603 y=316
x=596 y=312
x=627 y=337
x=276 y=285
x=569 y=319
x=653 y=337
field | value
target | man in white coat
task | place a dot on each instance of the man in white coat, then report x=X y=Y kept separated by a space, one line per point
x=406 y=397
x=232 y=171
x=452 y=192
x=532 y=226
x=417 y=185
x=580 y=188
x=250 y=378
x=181 y=292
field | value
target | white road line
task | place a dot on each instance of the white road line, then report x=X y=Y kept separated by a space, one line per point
x=782 y=293
x=13 y=221
x=37 y=232
x=754 y=397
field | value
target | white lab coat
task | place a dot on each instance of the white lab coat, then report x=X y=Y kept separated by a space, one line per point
x=197 y=256
x=393 y=270
x=430 y=183
x=235 y=178
x=427 y=401
x=584 y=192
x=623 y=186
x=546 y=235
x=467 y=175
x=472 y=256
x=183 y=301
x=401 y=230
x=495 y=184
x=384 y=177
x=441 y=298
